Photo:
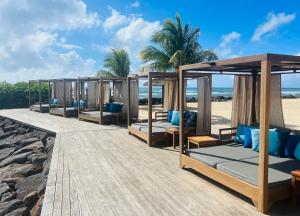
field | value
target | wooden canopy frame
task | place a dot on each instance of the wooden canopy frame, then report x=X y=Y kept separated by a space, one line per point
x=149 y=137
x=259 y=65
x=41 y=107
x=99 y=119
x=65 y=113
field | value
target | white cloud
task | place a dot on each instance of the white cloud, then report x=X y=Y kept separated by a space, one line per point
x=135 y=4
x=273 y=22
x=228 y=43
x=116 y=19
x=29 y=33
x=131 y=36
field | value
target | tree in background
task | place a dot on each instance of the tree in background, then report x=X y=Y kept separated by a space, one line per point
x=116 y=64
x=178 y=46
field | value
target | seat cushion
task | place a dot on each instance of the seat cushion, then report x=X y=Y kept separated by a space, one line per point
x=247 y=169
x=290 y=146
x=218 y=154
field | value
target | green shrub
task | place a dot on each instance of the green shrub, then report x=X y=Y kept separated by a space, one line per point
x=16 y=95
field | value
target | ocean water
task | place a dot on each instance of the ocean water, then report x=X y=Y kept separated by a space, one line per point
x=226 y=92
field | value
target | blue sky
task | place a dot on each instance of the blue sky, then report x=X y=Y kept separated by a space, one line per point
x=67 y=38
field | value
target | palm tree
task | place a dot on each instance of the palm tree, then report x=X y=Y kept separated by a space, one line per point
x=116 y=64
x=179 y=45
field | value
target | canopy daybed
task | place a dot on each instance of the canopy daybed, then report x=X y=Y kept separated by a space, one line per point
x=41 y=105
x=154 y=130
x=262 y=178
x=96 y=103
x=62 y=97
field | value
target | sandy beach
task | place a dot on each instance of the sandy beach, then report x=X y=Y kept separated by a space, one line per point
x=221 y=113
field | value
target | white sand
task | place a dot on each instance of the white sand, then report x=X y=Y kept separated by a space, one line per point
x=221 y=113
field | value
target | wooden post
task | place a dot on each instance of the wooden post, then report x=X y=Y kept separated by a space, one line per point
x=162 y=95
x=78 y=96
x=29 y=93
x=181 y=110
x=65 y=111
x=138 y=95
x=49 y=94
x=149 y=108
x=263 y=205
x=101 y=101
x=40 y=96
x=128 y=102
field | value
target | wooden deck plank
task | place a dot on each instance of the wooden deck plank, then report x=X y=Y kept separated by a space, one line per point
x=101 y=170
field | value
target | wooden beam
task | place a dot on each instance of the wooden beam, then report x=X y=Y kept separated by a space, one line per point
x=78 y=96
x=65 y=110
x=49 y=94
x=150 y=108
x=128 y=102
x=101 y=101
x=29 y=94
x=263 y=203
x=181 y=110
x=40 y=95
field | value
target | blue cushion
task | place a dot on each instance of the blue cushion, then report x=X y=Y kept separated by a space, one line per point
x=82 y=104
x=240 y=137
x=169 y=115
x=106 y=107
x=175 y=118
x=55 y=101
x=290 y=146
x=190 y=120
x=247 y=137
x=275 y=144
x=255 y=138
x=115 y=107
x=75 y=103
x=297 y=152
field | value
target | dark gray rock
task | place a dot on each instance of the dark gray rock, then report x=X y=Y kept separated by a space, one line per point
x=9 y=128
x=19 y=171
x=5 y=153
x=4 y=188
x=38 y=158
x=29 y=148
x=23 y=211
x=9 y=206
x=30 y=198
x=41 y=135
x=29 y=184
x=8 y=196
x=19 y=158
x=37 y=208
x=5 y=135
x=25 y=142
x=49 y=144
x=22 y=131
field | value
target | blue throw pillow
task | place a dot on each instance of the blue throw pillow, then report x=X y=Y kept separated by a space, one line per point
x=115 y=107
x=255 y=138
x=169 y=115
x=75 y=103
x=297 y=152
x=55 y=101
x=191 y=120
x=290 y=146
x=82 y=104
x=240 y=137
x=247 y=137
x=275 y=144
x=106 y=107
x=175 y=118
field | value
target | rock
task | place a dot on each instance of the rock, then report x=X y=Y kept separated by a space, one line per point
x=29 y=184
x=7 y=122
x=19 y=171
x=37 y=208
x=41 y=135
x=19 y=158
x=25 y=142
x=5 y=135
x=9 y=206
x=49 y=144
x=36 y=145
x=38 y=158
x=8 y=196
x=9 y=128
x=5 y=153
x=18 y=212
x=22 y=131
x=30 y=198
x=4 y=188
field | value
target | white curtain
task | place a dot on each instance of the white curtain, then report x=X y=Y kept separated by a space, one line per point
x=106 y=92
x=171 y=96
x=120 y=93
x=134 y=99
x=204 y=106
x=92 y=94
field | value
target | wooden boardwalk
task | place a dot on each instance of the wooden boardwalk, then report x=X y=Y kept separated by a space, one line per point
x=101 y=170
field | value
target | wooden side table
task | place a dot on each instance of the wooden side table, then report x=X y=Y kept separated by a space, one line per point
x=174 y=132
x=202 y=140
x=295 y=181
